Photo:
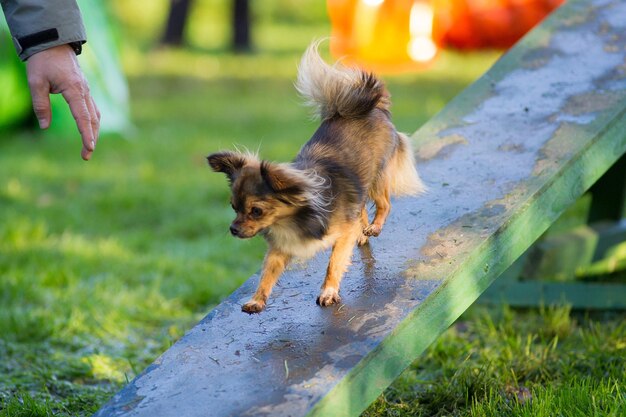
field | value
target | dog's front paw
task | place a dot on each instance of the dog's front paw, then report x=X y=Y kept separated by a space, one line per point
x=328 y=297
x=372 y=230
x=252 y=307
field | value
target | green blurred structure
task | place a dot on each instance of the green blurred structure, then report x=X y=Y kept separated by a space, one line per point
x=100 y=65
x=14 y=97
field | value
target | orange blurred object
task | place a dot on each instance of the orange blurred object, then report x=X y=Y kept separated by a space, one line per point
x=487 y=23
x=401 y=35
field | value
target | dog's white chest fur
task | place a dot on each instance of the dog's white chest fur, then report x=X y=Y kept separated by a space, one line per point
x=288 y=239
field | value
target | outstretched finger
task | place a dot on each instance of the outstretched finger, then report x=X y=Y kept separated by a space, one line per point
x=94 y=113
x=78 y=102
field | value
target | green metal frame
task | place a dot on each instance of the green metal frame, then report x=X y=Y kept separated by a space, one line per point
x=572 y=266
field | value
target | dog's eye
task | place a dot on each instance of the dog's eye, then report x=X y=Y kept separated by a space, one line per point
x=256 y=212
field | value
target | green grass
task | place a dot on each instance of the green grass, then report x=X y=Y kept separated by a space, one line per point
x=544 y=363
x=103 y=265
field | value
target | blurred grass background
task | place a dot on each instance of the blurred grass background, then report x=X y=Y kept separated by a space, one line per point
x=103 y=265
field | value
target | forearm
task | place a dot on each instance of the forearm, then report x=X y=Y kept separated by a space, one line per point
x=37 y=25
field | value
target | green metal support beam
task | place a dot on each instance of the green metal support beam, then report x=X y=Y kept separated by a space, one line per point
x=578 y=295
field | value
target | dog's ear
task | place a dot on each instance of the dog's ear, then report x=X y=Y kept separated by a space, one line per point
x=282 y=180
x=230 y=163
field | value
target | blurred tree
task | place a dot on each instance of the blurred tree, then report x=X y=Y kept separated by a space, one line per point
x=176 y=21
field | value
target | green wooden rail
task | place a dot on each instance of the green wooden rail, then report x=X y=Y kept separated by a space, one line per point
x=503 y=160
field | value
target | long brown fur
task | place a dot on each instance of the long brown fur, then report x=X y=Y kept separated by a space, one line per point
x=319 y=200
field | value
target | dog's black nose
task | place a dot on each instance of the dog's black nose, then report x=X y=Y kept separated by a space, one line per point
x=234 y=230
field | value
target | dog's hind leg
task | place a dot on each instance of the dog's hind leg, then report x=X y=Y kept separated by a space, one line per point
x=381 y=197
x=362 y=239
x=339 y=261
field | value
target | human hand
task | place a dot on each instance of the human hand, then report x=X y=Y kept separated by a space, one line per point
x=55 y=71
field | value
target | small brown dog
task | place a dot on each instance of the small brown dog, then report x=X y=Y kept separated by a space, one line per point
x=319 y=199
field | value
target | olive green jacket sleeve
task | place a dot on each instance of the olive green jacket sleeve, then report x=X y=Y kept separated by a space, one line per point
x=41 y=24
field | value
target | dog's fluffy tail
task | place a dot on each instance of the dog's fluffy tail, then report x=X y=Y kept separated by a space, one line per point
x=403 y=175
x=338 y=90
